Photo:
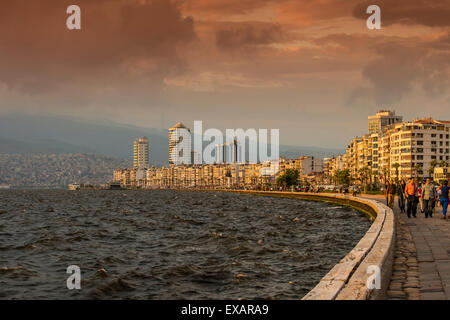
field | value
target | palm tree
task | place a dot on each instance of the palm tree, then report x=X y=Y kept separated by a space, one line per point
x=364 y=174
x=385 y=172
x=396 y=166
x=443 y=164
x=417 y=168
x=433 y=165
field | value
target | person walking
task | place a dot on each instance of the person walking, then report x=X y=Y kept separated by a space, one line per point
x=386 y=187
x=401 y=195
x=390 y=193
x=428 y=196
x=410 y=195
x=444 y=198
x=419 y=195
x=438 y=203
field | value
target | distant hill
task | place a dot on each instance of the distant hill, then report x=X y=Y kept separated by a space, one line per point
x=11 y=146
x=50 y=134
x=57 y=169
x=46 y=134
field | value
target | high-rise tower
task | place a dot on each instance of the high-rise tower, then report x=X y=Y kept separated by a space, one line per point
x=141 y=153
x=179 y=145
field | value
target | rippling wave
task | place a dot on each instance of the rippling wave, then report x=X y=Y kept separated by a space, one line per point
x=169 y=244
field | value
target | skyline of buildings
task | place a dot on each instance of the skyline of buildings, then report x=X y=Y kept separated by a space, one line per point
x=393 y=148
x=401 y=150
x=229 y=152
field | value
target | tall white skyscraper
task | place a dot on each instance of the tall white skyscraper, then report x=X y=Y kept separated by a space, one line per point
x=141 y=153
x=179 y=145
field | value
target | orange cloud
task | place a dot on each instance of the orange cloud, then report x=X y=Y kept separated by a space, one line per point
x=433 y=13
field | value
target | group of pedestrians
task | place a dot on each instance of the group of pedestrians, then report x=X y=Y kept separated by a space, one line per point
x=411 y=195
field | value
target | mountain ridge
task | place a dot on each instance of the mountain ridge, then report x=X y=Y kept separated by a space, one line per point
x=21 y=133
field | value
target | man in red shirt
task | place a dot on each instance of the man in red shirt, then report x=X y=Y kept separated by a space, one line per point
x=410 y=195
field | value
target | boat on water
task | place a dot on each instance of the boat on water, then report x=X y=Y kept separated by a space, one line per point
x=5 y=186
x=74 y=186
x=114 y=186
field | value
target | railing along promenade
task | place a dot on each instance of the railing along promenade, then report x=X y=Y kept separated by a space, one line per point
x=349 y=279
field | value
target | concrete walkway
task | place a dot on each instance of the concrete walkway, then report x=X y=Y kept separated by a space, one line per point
x=422 y=261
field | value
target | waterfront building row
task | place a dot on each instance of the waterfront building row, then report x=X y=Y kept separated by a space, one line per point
x=220 y=175
x=398 y=150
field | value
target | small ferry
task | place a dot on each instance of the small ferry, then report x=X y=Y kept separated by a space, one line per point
x=5 y=186
x=74 y=186
x=114 y=186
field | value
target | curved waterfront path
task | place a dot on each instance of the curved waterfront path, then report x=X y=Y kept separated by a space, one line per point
x=421 y=269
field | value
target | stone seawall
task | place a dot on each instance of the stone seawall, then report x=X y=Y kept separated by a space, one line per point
x=372 y=256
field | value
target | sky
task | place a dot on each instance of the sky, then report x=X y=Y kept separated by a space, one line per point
x=309 y=68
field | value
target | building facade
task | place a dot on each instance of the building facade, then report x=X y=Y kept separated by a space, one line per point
x=141 y=158
x=399 y=151
x=180 y=145
x=230 y=152
x=381 y=120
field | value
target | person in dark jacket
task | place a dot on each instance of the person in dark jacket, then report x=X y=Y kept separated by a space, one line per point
x=401 y=195
x=444 y=196
x=390 y=193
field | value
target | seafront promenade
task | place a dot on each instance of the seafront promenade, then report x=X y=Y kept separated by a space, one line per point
x=421 y=269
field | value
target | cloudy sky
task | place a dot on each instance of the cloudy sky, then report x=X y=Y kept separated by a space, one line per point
x=310 y=68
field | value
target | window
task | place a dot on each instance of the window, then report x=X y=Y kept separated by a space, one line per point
x=433 y=157
x=433 y=135
x=420 y=143
x=419 y=150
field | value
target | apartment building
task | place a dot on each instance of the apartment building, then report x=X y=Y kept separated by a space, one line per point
x=415 y=145
x=179 y=143
x=400 y=150
x=141 y=158
x=383 y=119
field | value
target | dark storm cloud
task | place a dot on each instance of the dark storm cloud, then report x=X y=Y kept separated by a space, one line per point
x=433 y=13
x=401 y=64
x=119 y=39
x=245 y=35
